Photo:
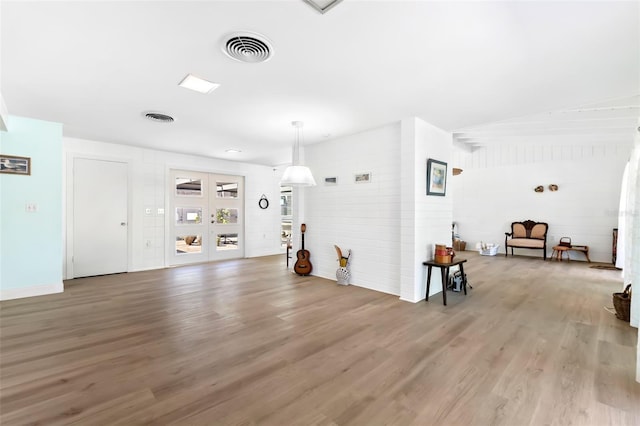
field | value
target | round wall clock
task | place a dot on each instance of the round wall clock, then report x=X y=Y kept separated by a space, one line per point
x=263 y=203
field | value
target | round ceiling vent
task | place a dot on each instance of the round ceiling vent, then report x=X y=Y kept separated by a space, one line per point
x=247 y=47
x=159 y=117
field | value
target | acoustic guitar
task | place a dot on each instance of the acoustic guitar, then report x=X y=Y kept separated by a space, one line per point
x=303 y=265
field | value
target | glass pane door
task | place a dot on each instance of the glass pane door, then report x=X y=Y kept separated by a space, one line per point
x=226 y=217
x=188 y=207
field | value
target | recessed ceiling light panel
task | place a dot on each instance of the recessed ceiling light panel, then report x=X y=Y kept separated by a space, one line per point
x=158 y=117
x=247 y=47
x=233 y=151
x=198 y=84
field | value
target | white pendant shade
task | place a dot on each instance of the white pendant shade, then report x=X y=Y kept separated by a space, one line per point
x=297 y=176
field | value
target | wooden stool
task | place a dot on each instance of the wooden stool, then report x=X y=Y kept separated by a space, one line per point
x=558 y=252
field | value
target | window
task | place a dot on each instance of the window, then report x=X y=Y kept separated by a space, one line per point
x=188 y=187
x=227 y=189
x=226 y=216
x=188 y=244
x=188 y=215
x=226 y=242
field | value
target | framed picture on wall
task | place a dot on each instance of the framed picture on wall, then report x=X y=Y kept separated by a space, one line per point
x=13 y=165
x=362 y=177
x=436 y=177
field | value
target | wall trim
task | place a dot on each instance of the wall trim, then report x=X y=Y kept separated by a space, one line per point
x=36 y=290
x=411 y=300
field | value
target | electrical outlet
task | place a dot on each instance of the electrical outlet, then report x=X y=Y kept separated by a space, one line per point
x=147 y=212
x=160 y=211
x=31 y=207
x=148 y=244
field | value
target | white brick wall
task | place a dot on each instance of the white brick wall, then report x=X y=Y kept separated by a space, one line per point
x=426 y=219
x=390 y=224
x=363 y=217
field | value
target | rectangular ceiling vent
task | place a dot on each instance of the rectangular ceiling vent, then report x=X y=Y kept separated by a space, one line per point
x=322 y=6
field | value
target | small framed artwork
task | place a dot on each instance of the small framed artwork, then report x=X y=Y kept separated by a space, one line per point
x=15 y=165
x=362 y=178
x=436 y=177
x=331 y=180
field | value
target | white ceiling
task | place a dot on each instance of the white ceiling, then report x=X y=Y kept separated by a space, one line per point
x=97 y=66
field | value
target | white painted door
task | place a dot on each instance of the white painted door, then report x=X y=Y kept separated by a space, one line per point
x=226 y=217
x=100 y=193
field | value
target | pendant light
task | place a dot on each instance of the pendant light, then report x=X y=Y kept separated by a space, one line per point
x=297 y=174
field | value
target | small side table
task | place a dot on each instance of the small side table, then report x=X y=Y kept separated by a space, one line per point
x=444 y=272
x=558 y=252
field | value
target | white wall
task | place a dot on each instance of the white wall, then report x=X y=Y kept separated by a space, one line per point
x=148 y=185
x=496 y=188
x=426 y=219
x=363 y=217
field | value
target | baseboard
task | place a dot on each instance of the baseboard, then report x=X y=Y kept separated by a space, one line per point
x=32 y=291
x=148 y=268
x=411 y=300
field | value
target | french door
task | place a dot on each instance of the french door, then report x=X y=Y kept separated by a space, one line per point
x=207 y=217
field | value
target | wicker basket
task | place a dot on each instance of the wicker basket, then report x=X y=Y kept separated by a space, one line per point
x=489 y=251
x=622 y=304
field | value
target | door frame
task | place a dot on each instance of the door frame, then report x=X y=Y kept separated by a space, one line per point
x=67 y=208
x=169 y=245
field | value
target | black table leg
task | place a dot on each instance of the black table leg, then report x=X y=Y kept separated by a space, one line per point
x=445 y=274
x=428 y=281
x=464 y=279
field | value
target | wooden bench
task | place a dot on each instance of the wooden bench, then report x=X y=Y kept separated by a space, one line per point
x=527 y=234
x=560 y=249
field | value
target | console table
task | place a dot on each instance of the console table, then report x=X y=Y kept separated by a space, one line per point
x=444 y=272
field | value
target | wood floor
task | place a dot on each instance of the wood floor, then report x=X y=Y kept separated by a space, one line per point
x=246 y=342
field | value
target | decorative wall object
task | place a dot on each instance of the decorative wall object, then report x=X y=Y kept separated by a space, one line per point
x=13 y=165
x=362 y=178
x=263 y=203
x=539 y=188
x=331 y=180
x=436 y=177
x=553 y=187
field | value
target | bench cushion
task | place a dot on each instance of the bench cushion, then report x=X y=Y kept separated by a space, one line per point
x=525 y=243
